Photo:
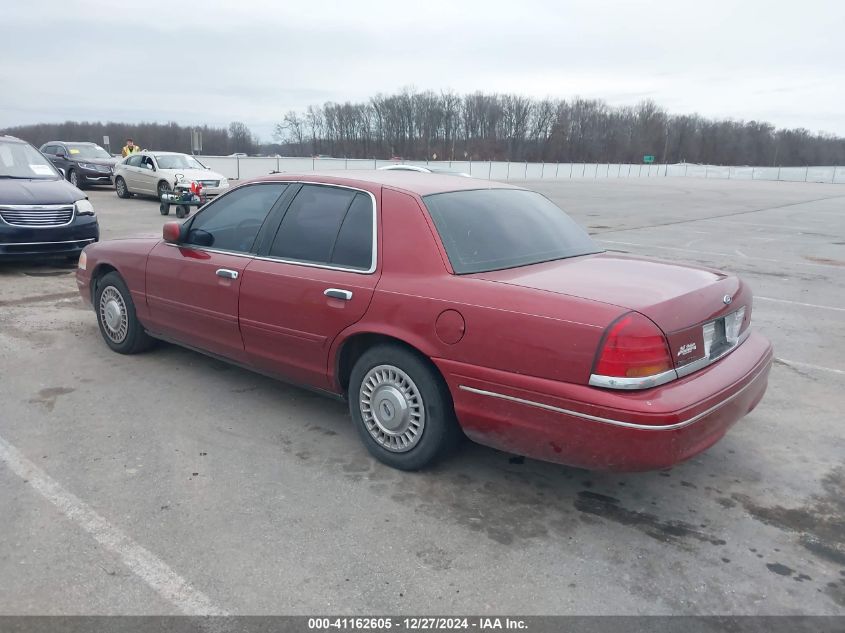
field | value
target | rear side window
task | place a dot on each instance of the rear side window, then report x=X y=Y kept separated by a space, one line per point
x=492 y=229
x=327 y=225
x=232 y=222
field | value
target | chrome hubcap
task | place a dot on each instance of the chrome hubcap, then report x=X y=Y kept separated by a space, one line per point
x=113 y=315
x=121 y=187
x=392 y=408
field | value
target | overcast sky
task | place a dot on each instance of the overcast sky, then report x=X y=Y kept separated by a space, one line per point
x=216 y=61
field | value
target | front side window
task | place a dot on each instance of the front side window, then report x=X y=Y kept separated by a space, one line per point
x=232 y=222
x=493 y=229
x=327 y=225
x=24 y=162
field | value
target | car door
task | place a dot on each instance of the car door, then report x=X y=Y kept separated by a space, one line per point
x=129 y=172
x=192 y=288
x=60 y=158
x=315 y=278
x=147 y=175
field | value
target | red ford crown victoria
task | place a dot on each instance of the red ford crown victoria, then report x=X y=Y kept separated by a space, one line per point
x=438 y=305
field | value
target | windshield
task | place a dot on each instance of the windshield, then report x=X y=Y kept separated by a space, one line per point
x=492 y=229
x=85 y=150
x=21 y=160
x=178 y=161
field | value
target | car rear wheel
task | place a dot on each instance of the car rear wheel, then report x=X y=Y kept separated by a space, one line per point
x=119 y=325
x=401 y=408
x=121 y=188
x=163 y=188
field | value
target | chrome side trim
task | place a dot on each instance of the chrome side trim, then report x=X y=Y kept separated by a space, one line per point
x=627 y=425
x=203 y=249
x=643 y=382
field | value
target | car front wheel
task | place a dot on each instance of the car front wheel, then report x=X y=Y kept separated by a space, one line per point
x=401 y=408
x=121 y=188
x=163 y=188
x=73 y=178
x=119 y=325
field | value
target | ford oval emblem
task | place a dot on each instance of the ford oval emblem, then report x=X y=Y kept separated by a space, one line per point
x=727 y=299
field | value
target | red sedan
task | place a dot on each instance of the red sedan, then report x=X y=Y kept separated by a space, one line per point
x=438 y=305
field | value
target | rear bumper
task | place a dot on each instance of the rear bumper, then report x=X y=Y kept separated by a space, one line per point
x=601 y=429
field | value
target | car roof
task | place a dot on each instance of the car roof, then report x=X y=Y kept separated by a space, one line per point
x=419 y=183
x=68 y=143
x=11 y=139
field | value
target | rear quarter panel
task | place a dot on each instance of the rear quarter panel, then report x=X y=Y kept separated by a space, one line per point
x=509 y=328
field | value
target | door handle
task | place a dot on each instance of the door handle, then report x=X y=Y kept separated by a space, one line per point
x=337 y=293
x=228 y=274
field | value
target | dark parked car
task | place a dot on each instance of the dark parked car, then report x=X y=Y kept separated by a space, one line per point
x=442 y=304
x=82 y=163
x=41 y=215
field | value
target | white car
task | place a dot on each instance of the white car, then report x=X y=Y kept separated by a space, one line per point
x=425 y=170
x=154 y=173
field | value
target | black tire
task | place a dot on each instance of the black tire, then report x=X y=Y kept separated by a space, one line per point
x=182 y=211
x=133 y=339
x=439 y=432
x=121 y=188
x=73 y=178
x=163 y=188
x=164 y=209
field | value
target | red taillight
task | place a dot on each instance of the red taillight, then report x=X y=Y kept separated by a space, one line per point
x=633 y=348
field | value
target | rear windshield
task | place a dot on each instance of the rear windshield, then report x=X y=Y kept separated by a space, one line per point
x=492 y=229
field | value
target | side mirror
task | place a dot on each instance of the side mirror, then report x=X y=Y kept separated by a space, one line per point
x=172 y=232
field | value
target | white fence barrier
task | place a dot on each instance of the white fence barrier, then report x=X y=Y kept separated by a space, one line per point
x=237 y=168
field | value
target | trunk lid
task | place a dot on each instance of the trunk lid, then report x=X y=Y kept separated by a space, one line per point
x=680 y=299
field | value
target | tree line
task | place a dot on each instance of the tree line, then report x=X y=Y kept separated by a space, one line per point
x=481 y=126
x=489 y=126
x=216 y=141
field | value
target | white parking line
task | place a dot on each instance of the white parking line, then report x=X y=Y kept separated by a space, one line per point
x=810 y=366
x=146 y=565
x=799 y=303
x=690 y=250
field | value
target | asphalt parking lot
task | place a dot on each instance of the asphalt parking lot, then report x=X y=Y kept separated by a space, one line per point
x=171 y=482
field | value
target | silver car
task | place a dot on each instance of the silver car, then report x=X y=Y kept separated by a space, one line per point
x=155 y=173
x=425 y=170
